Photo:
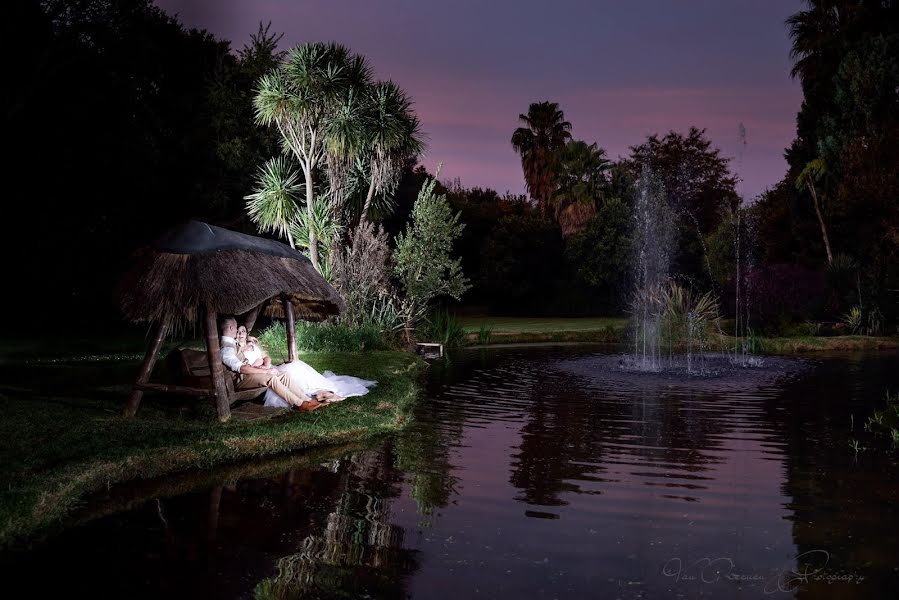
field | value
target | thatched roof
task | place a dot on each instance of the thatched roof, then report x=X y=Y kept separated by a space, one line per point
x=198 y=263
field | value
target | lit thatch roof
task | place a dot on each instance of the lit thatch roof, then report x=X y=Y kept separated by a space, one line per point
x=198 y=263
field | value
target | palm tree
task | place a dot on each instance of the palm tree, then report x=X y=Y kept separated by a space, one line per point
x=538 y=144
x=582 y=171
x=392 y=134
x=312 y=98
x=816 y=34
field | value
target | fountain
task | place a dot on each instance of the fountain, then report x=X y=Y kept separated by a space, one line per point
x=674 y=328
x=654 y=236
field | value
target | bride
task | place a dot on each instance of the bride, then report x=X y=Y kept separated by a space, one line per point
x=325 y=387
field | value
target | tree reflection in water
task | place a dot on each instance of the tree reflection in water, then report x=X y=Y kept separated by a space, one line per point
x=354 y=550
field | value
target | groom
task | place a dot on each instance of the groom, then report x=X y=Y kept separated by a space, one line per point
x=248 y=376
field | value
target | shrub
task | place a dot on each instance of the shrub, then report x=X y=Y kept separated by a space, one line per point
x=853 y=320
x=688 y=318
x=361 y=274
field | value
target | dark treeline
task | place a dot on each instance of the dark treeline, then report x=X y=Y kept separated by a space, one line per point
x=123 y=123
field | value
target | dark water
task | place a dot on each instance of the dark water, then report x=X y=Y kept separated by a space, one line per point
x=522 y=479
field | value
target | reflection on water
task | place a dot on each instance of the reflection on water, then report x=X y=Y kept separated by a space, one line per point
x=519 y=478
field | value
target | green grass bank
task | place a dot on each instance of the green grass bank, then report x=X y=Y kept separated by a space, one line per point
x=62 y=436
x=524 y=330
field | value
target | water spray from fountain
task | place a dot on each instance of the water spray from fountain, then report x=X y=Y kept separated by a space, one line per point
x=654 y=236
x=743 y=236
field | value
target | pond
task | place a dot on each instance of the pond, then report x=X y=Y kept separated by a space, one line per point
x=524 y=477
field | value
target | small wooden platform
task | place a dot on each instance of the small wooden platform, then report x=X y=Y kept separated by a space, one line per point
x=430 y=349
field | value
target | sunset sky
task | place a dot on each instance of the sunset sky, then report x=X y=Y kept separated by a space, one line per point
x=619 y=70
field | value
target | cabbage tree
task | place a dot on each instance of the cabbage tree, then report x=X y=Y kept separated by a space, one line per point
x=314 y=99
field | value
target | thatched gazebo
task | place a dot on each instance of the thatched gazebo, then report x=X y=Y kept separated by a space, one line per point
x=197 y=272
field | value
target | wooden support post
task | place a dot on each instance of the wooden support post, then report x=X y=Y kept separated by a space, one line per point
x=146 y=369
x=251 y=317
x=291 y=329
x=216 y=368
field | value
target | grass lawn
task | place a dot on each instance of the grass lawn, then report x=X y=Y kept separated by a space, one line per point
x=807 y=343
x=540 y=325
x=516 y=330
x=512 y=330
x=62 y=436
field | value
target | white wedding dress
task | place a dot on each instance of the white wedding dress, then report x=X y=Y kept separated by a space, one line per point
x=311 y=380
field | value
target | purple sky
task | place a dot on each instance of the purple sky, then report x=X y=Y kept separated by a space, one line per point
x=620 y=70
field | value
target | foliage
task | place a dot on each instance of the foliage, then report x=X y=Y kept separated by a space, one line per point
x=886 y=420
x=485 y=334
x=581 y=178
x=600 y=254
x=156 y=127
x=423 y=260
x=781 y=294
x=522 y=264
x=391 y=134
x=325 y=337
x=317 y=223
x=688 y=317
x=544 y=134
x=699 y=186
x=362 y=271
x=444 y=327
x=313 y=99
x=854 y=320
x=274 y=205
x=481 y=210
x=847 y=59
x=721 y=251
x=864 y=321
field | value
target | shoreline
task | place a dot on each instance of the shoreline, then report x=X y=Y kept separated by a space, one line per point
x=769 y=346
x=53 y=457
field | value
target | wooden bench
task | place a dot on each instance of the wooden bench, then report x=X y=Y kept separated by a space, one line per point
x=192 y=378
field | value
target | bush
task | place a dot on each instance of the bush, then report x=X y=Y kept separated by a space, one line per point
x=782 y=294
x=362 y=276
x=688 y=318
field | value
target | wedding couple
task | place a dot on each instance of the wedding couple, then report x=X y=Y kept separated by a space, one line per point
x=293 y=384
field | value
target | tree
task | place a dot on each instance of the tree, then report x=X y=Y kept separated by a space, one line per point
x=813 y=172
x=392 y=134
x=816 y=35
x=601 y=253
x=538 y=143
x=582 y=171
x=700 y=188
x=423 y=257
x=580 y=184
x=313 y=98
x=274 y=204
x=523 y=264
